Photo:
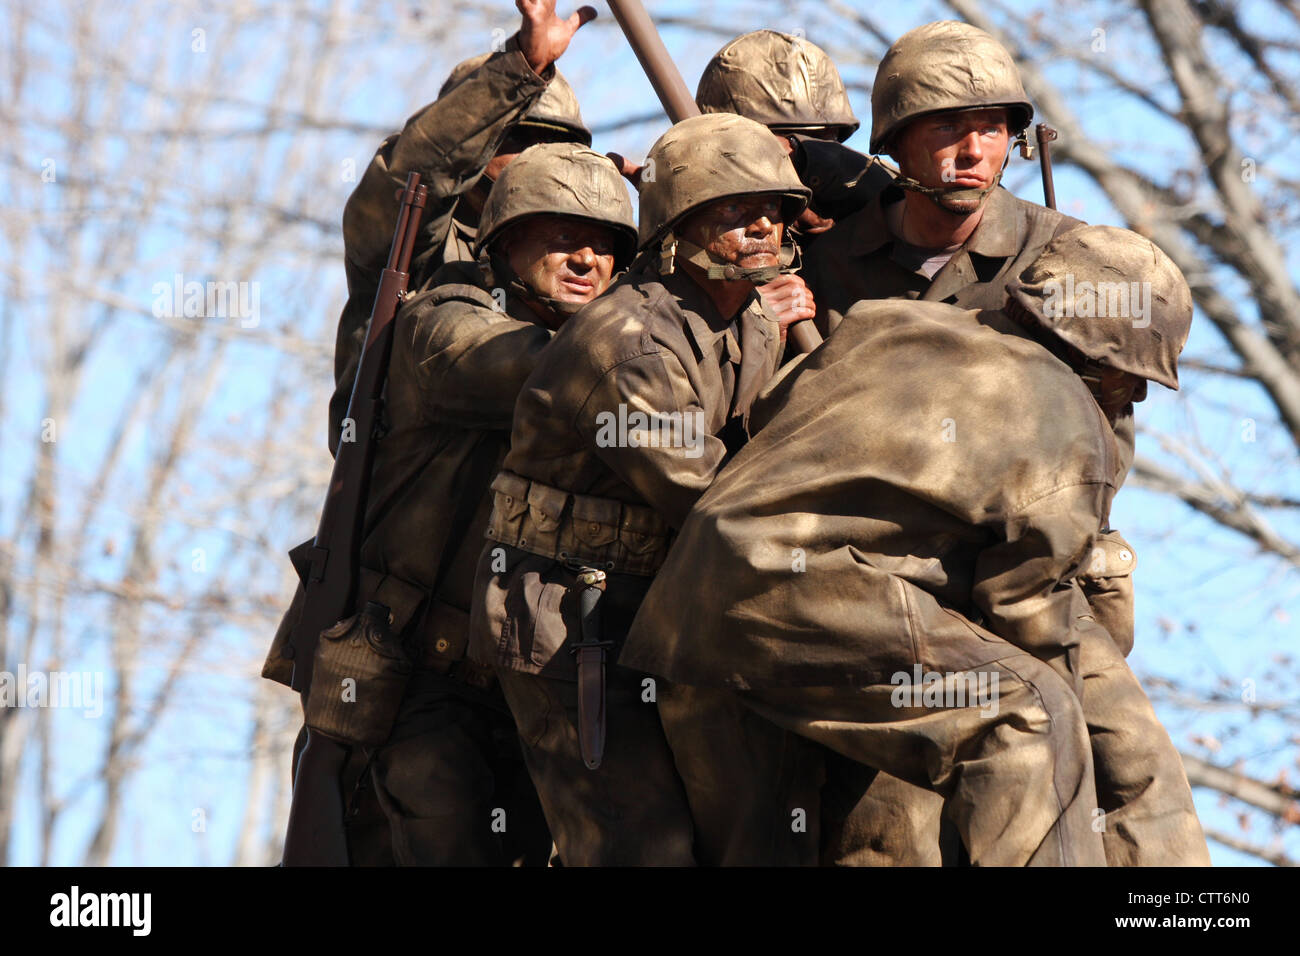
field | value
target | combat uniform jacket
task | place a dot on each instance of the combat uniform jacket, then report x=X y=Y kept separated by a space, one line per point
x=883 y=471
x=855 y=260
x=897 y=510
x=449 y=143
x=458 y=363
x=585 y=480
x=425 y=796
x=893 y=513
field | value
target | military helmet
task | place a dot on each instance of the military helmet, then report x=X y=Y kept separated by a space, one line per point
x=1114 y=296
x=709 y=157
x=941 y=66
x=556 y=110
x=779 y=80
x=560 y=179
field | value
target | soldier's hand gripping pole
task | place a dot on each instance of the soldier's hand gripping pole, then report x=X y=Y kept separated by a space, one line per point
x=315 y=835
x=679 y=105
x=590 y=652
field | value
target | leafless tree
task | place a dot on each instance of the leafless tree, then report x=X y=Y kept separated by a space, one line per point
x=156 y=465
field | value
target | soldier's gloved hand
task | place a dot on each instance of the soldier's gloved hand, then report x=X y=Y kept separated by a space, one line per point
x=626 y=168
x=543 y=36
x=789 y=299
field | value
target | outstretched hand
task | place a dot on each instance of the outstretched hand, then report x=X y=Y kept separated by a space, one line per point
x=543 y=36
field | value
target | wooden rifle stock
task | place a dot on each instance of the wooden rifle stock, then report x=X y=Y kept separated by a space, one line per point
x=315 y=835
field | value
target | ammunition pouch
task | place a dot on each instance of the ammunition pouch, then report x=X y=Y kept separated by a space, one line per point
x=278 y=665
x=603 y=533
x=438 y=631
x=359 y=676
x=1107 y=583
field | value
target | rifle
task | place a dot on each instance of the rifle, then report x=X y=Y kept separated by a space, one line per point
x=679 y=104
x=331 y=569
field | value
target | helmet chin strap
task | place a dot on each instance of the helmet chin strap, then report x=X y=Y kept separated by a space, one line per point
x=562 y=309
x=935 y=193
x=673 y=248
x=495 y=269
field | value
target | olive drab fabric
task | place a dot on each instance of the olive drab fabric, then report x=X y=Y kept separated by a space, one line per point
x=873 y=465
x=451 y=762
x=782 y=81
x=1115 y=296
x=1107 y=583
x=822 y=561
x=710 y=157
x=1147 y=814
x=427 y=795
x=842 y=180
x=460 y=356
x=861 y=258
x=621 y=427
x=458 y=364
x=946 y=65
x=631 y=411
x=560 y=179
x=880 y=481
x=449 y=143
x=556 y=109
x=908 y=831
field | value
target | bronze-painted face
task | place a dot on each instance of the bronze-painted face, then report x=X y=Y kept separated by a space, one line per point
x=739 y=230
x=568 y=260
x=1112 y=388
x=960 y=149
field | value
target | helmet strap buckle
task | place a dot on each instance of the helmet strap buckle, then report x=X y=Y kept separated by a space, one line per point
x=668 y=255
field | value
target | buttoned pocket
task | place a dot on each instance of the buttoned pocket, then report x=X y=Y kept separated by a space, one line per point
x=509 y=503
x=641 y=530
x=595 y=522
